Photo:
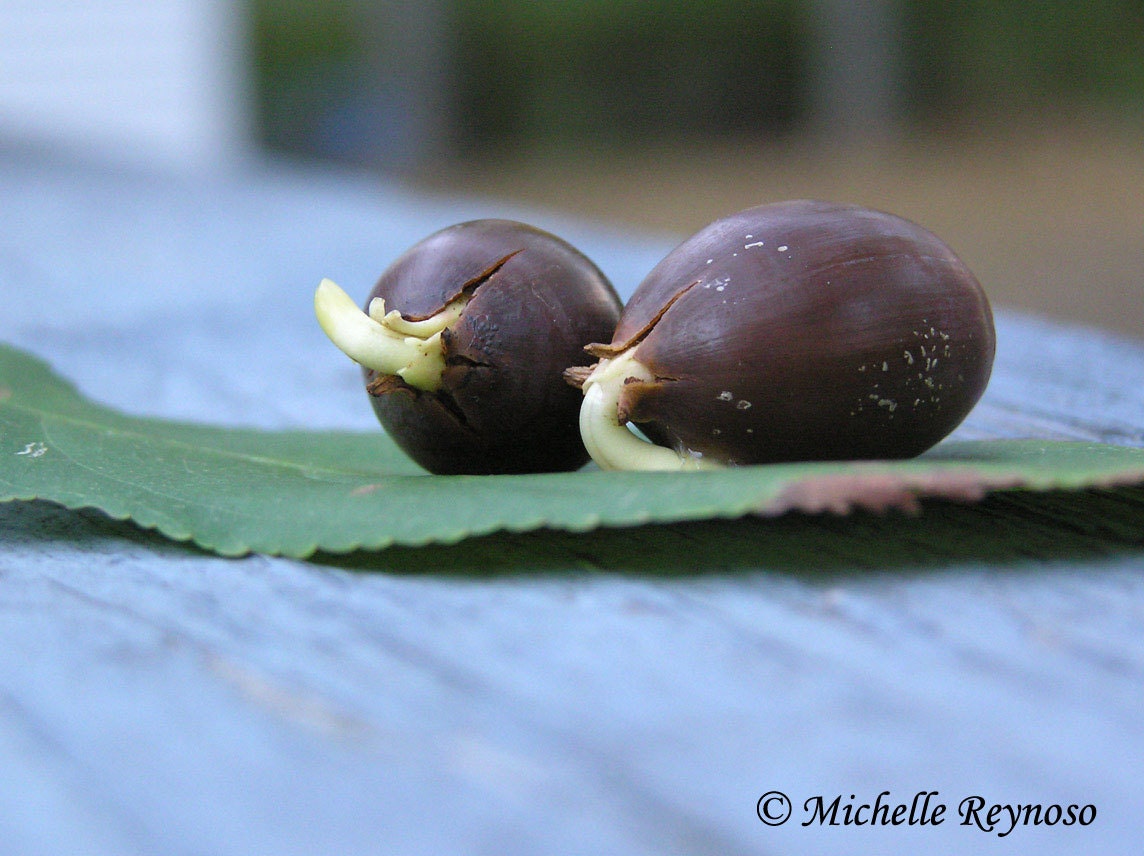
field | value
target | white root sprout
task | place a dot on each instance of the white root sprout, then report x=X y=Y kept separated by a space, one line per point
x=385 y=341
x=611 y=443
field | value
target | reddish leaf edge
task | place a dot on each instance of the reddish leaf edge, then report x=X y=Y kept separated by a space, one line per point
x=873 y=488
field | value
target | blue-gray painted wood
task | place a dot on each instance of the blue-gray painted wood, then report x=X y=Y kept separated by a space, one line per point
x=156 y=700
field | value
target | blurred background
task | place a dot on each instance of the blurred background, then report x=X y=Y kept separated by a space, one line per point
x=1013 y=130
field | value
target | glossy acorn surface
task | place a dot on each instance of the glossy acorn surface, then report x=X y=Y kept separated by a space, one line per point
x=805 y=331
x=534 y=302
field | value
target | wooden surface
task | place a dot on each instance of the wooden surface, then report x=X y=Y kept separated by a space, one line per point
x=628 y=692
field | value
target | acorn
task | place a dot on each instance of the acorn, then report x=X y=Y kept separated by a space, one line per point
x=464 y=341
x=795 y=331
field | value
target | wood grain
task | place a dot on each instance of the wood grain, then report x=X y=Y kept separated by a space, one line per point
x=632 y=692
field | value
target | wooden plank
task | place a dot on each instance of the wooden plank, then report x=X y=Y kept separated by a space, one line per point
x=630 y=692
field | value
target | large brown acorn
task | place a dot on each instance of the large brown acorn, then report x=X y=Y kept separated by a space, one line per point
x=464 y=341
x=794 y=331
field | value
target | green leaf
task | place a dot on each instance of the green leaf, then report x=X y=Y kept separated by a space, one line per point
x=294 y=493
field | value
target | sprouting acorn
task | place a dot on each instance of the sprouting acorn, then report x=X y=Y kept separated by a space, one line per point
x=794 y=331
x=464 y=341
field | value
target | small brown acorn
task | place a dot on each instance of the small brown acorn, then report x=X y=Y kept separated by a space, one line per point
x=464 y=341
x=795 y=331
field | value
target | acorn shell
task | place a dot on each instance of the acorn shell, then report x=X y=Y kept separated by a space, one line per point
x=503 y=406
x=807 y=331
